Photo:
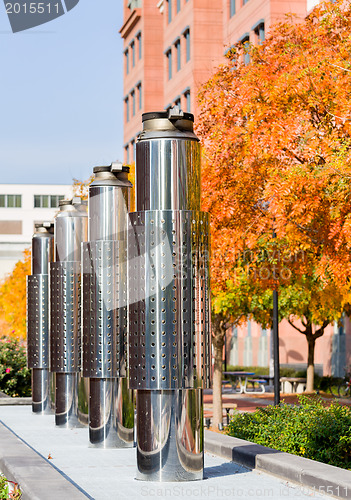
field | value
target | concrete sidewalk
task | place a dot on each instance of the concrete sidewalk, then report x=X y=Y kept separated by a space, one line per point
x=76 y=471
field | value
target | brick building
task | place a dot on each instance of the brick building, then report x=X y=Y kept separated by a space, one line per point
x=172 y=47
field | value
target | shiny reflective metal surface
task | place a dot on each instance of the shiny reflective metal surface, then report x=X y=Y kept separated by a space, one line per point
x=105 y=310
x=170 y=435
x=108 y=208
x=169 y=315
x=169 y=312
x=71 y=226
x=38 y=317
x=65 y=339
x=42 y=251
x=111 y=413
x=71 y=409
x=38 y=321
x=41 y=391
x=168 y=174
x=99 y=310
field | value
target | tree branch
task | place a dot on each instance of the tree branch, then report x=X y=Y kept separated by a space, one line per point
x=296 y=328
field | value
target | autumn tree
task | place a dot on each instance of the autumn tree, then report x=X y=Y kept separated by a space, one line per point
x=13 y=299
x=276 y=133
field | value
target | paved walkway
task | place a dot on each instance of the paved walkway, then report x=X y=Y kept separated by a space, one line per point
x=109 y=474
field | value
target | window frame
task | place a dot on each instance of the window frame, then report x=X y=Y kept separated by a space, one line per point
x=186 y=34
x=16 y=200
x=169 y=63
x=177 y=47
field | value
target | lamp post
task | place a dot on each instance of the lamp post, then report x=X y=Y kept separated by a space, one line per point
x=276 y=343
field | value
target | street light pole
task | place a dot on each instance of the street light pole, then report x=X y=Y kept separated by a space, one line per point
x=276 y=345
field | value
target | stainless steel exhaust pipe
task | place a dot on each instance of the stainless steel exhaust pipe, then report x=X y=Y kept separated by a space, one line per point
x=38 y=317
x=169 y=337
x=111 y=407
x=71 y=225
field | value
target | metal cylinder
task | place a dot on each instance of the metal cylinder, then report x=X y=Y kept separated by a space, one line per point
x=111 y=406
x=71 y=225
x=169 y=312
x=38 y=316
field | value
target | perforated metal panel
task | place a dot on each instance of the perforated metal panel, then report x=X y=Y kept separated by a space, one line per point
x=169 y=335
x=65 y=332
x=38 y=320
x=101 y=332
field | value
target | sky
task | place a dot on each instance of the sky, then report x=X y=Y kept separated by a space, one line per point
x=61 y=99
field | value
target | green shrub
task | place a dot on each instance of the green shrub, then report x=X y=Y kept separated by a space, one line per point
x=310 y=429
x=264 y=370
x=15 y=377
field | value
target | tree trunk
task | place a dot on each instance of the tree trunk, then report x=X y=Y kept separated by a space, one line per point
x=218 y=336
x=311 y=341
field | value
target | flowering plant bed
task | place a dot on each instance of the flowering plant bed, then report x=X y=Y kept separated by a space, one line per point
x=15 y=378
x=9 y=490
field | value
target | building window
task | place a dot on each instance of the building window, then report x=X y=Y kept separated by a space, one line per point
x=187 y=100
x=132 y=143
x=178 y=6
x=187 y=44
x=246 y=44
x=169 y=63
x=134 y=4
x=138 y=37
x=47 y=201
x=177 y=47
x=169 y=11
x=133 y=101
x=259 y=33
x=127 y=154
x=140 y=97
x=178 y=103
x=10 y=201
x=245 y=1
x=132 y=46
x=126 y=55
x=231 y=8
x=126 y=105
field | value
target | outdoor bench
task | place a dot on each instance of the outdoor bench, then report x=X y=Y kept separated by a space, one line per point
x=261 y=384
x=228 y=407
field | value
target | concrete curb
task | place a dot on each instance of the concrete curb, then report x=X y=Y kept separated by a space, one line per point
x=321 y=477
x=36 y=477
x=8 y=401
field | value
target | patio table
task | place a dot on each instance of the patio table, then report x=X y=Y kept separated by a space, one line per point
x=239 y=380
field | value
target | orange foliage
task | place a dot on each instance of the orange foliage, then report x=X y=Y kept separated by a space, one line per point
x=13 y=299
x=277 y=136
x=81 y=188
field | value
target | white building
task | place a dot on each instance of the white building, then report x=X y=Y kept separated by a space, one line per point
x=21 y=206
